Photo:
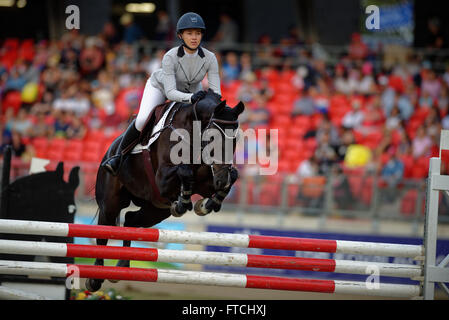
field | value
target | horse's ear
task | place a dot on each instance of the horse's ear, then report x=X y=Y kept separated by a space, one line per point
x=239 y=108
x=74 y=179
x=60 y=170
x=220 y=107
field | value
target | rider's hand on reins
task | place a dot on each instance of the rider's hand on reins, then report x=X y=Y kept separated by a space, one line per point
x=198 y=96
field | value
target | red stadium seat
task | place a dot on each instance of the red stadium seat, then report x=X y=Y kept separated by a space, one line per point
x=13 y=99
x=57 y=144
x=71 y=155
x=55 y=154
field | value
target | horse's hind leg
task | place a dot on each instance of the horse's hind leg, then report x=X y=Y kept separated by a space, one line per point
x=110 y=204
x=146 y=217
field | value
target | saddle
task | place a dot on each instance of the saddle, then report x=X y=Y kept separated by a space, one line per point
x=150 y=133
x=151 y=130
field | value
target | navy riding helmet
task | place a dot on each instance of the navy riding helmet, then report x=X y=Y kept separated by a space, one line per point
x=190 y=20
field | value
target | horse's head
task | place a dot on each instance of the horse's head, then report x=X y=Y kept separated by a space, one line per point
x=220 y=126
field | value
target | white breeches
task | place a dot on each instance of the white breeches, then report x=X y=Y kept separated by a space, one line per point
x=151 y=98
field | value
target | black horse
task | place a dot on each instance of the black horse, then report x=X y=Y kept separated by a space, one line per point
x=158 y=186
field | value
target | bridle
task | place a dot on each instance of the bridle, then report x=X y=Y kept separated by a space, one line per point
x=214 y=122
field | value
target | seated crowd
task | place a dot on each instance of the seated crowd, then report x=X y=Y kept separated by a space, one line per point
x=85 y=89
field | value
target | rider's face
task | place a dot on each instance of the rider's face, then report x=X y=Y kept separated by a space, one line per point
x=192 y=37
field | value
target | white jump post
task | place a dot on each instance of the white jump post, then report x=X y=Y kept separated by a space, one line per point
x=435 y=183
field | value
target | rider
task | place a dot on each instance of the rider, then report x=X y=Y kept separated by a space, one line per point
x=179 y=79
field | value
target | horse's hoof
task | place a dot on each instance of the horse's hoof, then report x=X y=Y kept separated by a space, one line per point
x=200 y=207
x=123 y=264
x=93 y=285
x=173 y=210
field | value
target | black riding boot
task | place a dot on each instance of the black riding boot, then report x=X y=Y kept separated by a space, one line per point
x=131 y=136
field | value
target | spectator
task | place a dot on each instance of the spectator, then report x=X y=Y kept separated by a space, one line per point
x=109 y=35
x=231 y=67
x=403 y=145
x=258 y=114
x=373 y=116
x=392 y=174
x=41 y=127
x=15 y=81
x=18 y=147
x=310 y=193
x=445 y=76
x=307 y=168
x=342 y=189
x=247 y=90
x=227 y=33
x=22 y=123
x=443 y=100
x=435 y=37
x=305 y=104
x=347 y=139
x=61 y=123
x=358 y=50
x=76 y=128
x=325 y=126
x=367 y=84
x=132 y=31
x=298 y=79
x=69 y=59
x=265 y=49
x=405 y=102
x=265 y=91
x=394 y=121
x=325 y=154
x=445 y=122
x=321 y=99
x=388 y=95
x=354 y=81
x=245 y=64
x=164 y=30
x=294 y=36
x=341 y=81
x=285 y=49
x=421 y=143
x=431 y=85
x=5 y=137
x=426 y=100
x=91 y=58
x=433 y=124
x=354 y=118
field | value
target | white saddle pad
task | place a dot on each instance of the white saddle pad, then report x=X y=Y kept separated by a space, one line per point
x=139 y=148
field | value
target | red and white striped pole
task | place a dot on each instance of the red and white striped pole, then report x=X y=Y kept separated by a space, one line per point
x=211 y=258
x=207 y=278
x=210 y=238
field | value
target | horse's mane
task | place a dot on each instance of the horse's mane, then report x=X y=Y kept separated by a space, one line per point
x=211 y=94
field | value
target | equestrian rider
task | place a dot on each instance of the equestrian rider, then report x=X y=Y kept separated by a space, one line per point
x=179 y=79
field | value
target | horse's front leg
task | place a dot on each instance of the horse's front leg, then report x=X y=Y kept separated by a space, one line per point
x=184 y=203
x=206 y=205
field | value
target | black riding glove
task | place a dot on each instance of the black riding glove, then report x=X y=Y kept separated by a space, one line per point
x=198 y=96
